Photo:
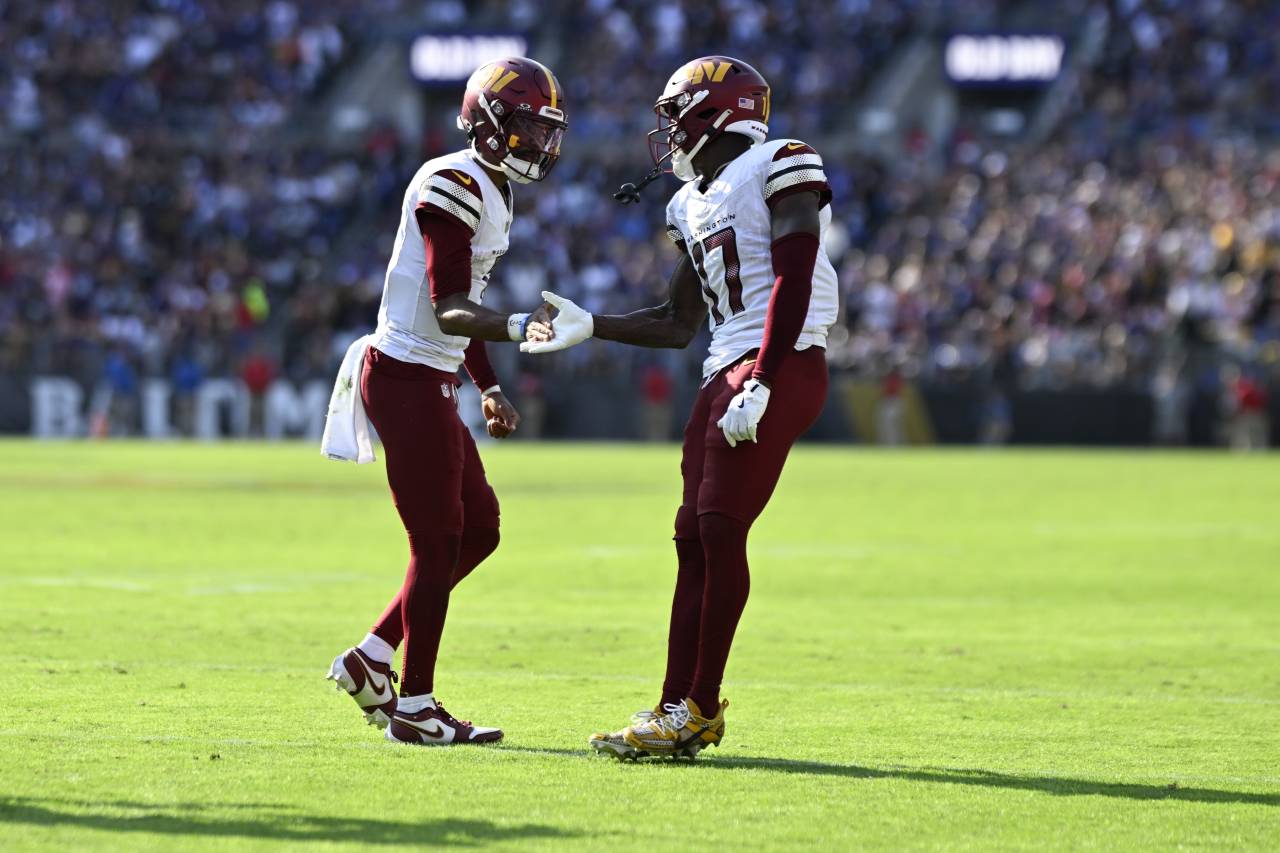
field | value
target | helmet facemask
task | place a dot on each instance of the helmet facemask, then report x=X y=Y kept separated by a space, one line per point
x=672 y=140
x=705 y=98
x=533 y=145
x=518 y=143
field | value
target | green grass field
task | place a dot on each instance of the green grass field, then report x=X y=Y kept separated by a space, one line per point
x=942 y=649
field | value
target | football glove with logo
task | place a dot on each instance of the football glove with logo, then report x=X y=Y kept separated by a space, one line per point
x=745 y=410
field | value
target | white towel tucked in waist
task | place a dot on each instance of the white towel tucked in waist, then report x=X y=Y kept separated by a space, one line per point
x=346 y=429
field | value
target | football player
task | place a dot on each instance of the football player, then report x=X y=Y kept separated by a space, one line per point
x=749 y=221
x=454 y=223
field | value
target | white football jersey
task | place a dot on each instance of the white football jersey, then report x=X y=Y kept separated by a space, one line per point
x=727 y=232
x=458 y=187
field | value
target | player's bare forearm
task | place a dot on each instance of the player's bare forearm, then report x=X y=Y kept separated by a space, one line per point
x=649 y=327
x=458 y=315
x=671 y=325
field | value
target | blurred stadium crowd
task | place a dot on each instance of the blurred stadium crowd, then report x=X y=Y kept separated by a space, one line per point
x=160 y=215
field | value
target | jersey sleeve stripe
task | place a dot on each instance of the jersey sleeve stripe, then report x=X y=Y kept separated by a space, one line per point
x=461 y=194
x=792 y=177
x=448 y=192
x=452 y=177
x=676 y=236
x=441 y=201
x=810 y=160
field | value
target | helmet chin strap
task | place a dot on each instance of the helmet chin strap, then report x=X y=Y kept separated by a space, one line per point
x=475 y=150
x=475 y=155
x=682 y=164
x=504 y=168
x=516 y=175
x=484 y=105
x=685 y=164
x=629 y=193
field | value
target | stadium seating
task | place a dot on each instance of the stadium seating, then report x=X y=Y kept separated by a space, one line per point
x=153 y=222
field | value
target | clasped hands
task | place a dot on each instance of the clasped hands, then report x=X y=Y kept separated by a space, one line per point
x=572 y=325
x=544 y=333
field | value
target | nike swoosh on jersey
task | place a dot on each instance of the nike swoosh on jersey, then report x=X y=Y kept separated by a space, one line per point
x=466 y=179
x=792 y=146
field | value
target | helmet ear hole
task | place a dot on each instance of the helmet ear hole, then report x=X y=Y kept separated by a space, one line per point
x=707 y=113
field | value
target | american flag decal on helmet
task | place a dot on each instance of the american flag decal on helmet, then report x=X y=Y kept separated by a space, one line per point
x=747 y=103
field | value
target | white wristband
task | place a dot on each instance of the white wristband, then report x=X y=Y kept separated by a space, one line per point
x=515 y=326
x=492 y=389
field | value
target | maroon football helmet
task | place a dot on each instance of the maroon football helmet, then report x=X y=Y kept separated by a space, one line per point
x=513 y=113
x=705 y=98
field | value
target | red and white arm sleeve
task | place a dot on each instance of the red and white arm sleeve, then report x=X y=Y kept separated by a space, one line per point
x=794 y=257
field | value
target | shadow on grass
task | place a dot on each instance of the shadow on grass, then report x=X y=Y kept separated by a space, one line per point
x=276 y=822
x=1054 y=785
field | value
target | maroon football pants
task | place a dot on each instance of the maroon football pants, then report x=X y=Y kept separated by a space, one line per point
x=448 y=509
x=725 y=490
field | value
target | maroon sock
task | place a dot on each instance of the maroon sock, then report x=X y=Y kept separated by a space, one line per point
x=686 y=613
x=477 y=544
x=425 y=601
x=724 y=541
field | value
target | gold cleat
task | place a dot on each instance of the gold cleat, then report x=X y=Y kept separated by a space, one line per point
x=680 y=732
x=614 y=744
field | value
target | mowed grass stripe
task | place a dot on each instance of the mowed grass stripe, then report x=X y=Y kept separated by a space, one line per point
x=942 y=650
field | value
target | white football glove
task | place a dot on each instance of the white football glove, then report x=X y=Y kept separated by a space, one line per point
x=744 y=413
x=572 y=326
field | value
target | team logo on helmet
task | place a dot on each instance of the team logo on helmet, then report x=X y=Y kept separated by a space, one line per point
x=513 y=112
x=703 y=99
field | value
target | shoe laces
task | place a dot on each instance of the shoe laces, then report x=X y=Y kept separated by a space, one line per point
x=674 y=720
x=450 y=718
